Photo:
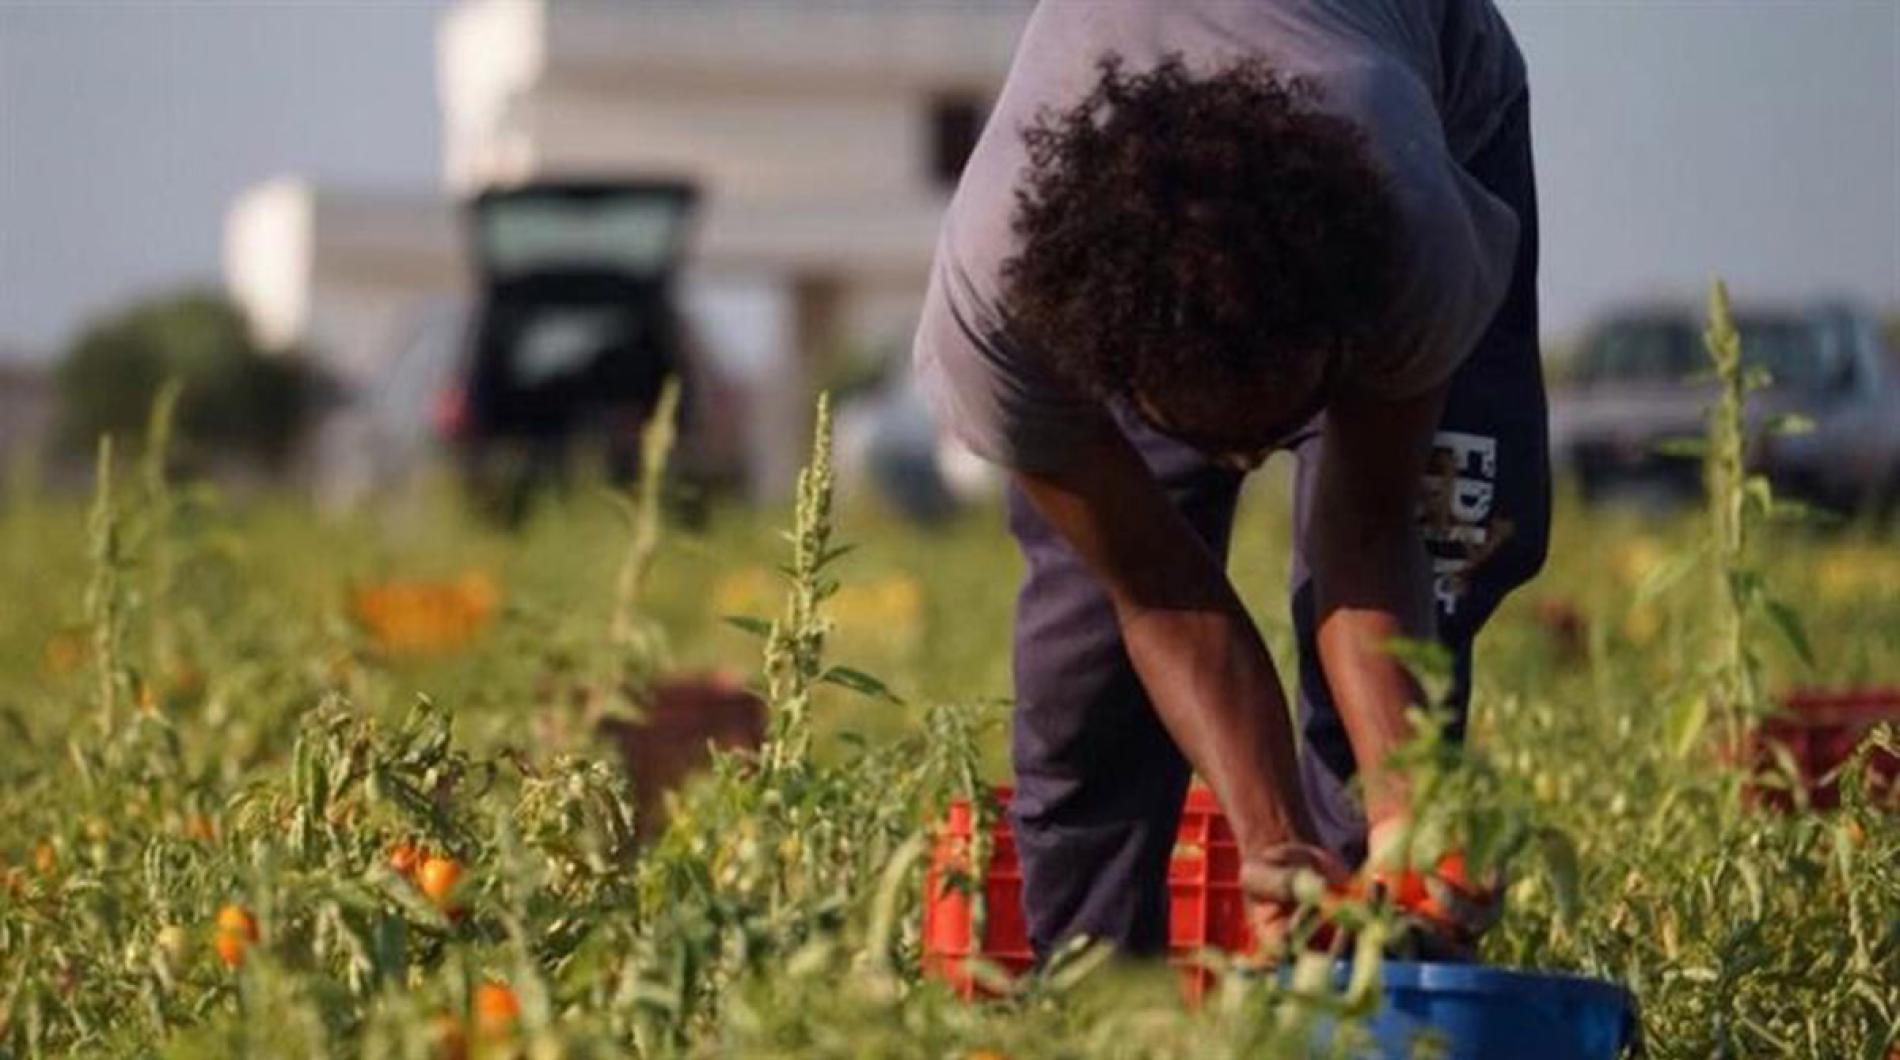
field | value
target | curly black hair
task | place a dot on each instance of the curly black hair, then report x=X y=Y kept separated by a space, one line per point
x=1180 y=233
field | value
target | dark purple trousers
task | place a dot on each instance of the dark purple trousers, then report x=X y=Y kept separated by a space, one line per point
x=1099 y=782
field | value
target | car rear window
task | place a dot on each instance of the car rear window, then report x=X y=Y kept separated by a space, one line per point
x=1790 y=351
x=1789 y=348
x=1640 y=351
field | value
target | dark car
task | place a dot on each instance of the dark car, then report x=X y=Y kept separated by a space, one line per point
x=1850 y=459
x=574 y=327
x=1642 y=379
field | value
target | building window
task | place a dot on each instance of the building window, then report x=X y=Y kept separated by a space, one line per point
x=955 y=123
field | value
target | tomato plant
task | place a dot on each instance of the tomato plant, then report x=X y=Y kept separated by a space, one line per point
x=234 y=823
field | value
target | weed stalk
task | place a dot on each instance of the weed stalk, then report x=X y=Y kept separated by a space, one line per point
x=631 y=638
x=1734 y=678
x=794 y=650
x=161 y=511
x=105 y=595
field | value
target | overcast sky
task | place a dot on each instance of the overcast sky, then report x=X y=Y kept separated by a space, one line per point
x=127 y=128
x=1676 y=139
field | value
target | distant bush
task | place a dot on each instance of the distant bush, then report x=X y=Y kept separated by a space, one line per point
x=238 y=400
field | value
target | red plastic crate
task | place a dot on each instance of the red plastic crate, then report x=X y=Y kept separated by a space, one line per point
x=1820 y=730
x=947 y=912
x=1205 y=909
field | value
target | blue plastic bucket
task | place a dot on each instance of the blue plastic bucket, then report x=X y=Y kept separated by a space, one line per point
x=1479 y=1013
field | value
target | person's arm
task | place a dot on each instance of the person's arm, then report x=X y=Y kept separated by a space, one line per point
x=1372 y=576
x=1191 y=642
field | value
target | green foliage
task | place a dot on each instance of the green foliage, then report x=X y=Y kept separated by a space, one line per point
x=1656 y=868
x=1738 y=502
x=236 y=397
x=640 y=640
x=220 y=735
x=794 y=645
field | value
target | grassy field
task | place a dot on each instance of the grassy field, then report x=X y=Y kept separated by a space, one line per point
x=224 y=718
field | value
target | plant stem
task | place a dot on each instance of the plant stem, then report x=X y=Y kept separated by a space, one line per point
x=795 y=650
x=656 y=444
x=1735 y=684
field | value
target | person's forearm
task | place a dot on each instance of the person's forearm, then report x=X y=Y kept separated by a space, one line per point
x=1214 y=686
x=1191 y=643
x=1380 y=598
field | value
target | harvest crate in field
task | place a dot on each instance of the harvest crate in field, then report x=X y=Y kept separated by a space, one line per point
x=1205 y=910
x=1821 y=729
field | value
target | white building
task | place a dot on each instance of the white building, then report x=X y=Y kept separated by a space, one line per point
x=825 y=135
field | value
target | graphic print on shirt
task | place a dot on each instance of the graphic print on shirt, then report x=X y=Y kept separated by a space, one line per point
x=1455 y=513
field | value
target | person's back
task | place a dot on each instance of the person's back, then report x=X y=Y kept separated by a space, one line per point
x=1427 y=82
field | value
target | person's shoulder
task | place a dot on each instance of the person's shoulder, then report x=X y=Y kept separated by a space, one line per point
x=1456 y=241
x=1452 y=60
x=1482 y=73
x=1390 y=104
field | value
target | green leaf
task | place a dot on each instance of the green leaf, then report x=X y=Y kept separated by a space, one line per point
x=1788 y=424
x=1368 y=951
x=860 y=682
x=1759 y=493
x=1665 y=575
x=1312 y=974
x=1787 y=621
x=1752 y=886
x=833 y=554
x=1429 y=662
x=1688 y=447
x=1560 y=860
x=758 y=627
x=1793 y=511
x=1428 y=657
x=1068 y=969
x=1686 y=719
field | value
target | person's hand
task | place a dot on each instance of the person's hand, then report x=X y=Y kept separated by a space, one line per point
x=1455 y=908
x=1446 y=908
x=1272 y=881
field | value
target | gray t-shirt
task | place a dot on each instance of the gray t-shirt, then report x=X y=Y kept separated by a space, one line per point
x=1428 y=81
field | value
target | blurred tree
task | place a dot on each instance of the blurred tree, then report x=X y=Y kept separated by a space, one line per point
x=238 y=401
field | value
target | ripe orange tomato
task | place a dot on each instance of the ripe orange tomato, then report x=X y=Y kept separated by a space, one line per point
x=403 y=858
x=230 y=948
x=237 y=929
x=1451 y=868
x=496 y=1010
x=437 y=877
x=1409 y=891
x=237 y=920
